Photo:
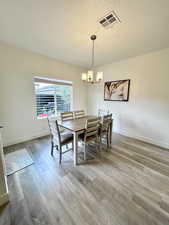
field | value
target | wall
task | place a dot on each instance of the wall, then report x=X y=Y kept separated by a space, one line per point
x=146 y=115
x=17 y=100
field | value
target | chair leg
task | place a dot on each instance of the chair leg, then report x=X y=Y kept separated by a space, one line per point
x=85 y=151
x=107 y=138
x=67 y=146
x=100 y=146
x=100 y=142
x=110 y=137
x=57 y=147
x=52 y=147
x=60 y=155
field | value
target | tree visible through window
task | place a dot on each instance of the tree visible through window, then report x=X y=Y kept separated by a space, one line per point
x=52 y=99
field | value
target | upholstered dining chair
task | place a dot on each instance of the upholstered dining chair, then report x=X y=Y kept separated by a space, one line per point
x=79 y=114
x=58 y=140
x=104 y=131
x=66 y=116
x=91 y=134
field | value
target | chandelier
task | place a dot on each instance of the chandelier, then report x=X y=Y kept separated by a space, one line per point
x=91 y=76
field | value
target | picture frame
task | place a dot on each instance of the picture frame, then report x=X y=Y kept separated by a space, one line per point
x=117 y=90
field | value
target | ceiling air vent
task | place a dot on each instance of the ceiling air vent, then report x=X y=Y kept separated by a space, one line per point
x=109 y=20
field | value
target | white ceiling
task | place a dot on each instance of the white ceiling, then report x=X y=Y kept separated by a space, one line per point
x=61 y=28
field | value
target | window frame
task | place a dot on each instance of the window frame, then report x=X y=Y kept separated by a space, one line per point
x=50 y=81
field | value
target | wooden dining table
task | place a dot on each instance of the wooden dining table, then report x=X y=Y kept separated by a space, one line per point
x=76 y=127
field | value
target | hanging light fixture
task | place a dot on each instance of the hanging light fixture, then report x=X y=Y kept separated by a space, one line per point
x=92 y=77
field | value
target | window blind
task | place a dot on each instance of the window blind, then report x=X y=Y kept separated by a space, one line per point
x=52 y=98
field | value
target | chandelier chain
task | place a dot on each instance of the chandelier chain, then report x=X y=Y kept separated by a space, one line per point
x=92 y=56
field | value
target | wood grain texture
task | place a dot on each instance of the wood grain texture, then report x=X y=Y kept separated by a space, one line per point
x=79 y=113
x=77 y=124
x=127 y=186
x=66 y=116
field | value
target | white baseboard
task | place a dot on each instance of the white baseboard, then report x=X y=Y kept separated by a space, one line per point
x=145 y=139
x=4 y=199
x=25 y=138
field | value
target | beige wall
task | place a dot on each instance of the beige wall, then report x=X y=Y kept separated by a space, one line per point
x=17 y=100
x=146 y=115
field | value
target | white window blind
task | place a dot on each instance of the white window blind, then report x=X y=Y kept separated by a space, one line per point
x=52 y=97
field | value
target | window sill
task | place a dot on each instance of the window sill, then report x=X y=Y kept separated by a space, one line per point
x=41 y=118
x=45 y=117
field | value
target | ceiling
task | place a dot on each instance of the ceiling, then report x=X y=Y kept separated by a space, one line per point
x=61 y=28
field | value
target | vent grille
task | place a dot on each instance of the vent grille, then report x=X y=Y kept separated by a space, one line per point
x=109 y=20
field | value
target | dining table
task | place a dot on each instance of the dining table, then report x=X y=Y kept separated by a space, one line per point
x=76 y=127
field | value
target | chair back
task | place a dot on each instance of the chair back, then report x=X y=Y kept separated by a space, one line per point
x=79 y=113
x=91 y=127
x=103 y=112
x=107 y=120
x=66 y=116
x=54 y=130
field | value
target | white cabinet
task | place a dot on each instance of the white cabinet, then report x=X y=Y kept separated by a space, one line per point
x=4 y=197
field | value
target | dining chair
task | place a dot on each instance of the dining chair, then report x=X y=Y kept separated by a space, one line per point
x=91 y=134
x=58 y=140
x=79 y=114
x=103 y=112
x=66 y=116
x=104 y=131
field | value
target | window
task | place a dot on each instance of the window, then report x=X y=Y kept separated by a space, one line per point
x=52 y=97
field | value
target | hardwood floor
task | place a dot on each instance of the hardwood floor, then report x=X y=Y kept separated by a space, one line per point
x=126 y=186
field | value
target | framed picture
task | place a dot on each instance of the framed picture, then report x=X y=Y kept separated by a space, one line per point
x=116 y=90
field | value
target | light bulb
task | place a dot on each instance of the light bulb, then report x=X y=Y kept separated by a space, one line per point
x=99 y=76
x=84 y=76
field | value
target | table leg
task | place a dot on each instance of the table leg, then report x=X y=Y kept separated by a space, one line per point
x=75 y=142
x=111 y=127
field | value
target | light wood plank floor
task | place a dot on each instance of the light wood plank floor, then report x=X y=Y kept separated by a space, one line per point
x=128 y=185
